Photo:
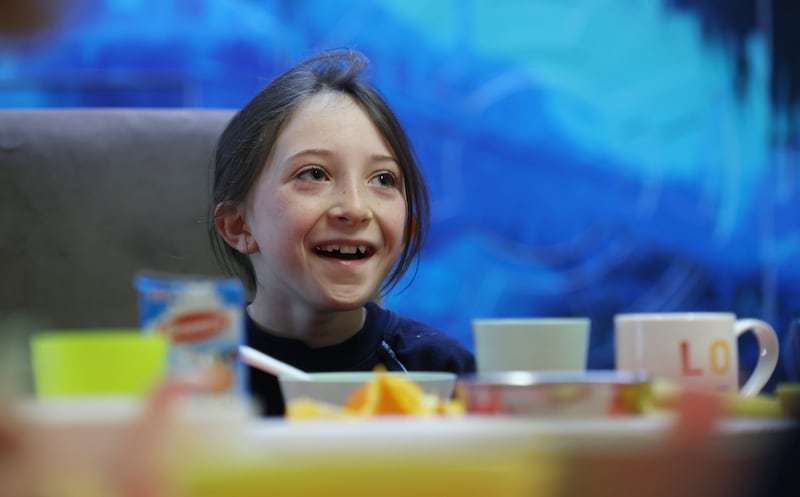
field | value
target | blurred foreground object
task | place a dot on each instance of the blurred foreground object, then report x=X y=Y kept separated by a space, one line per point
x=203 y=318
x=696 y=452
x=117 y=446
x=693 y=460
x=175 y=445
x=27 y=17
x=789 y=398
x=97 y=362
x=663 y=396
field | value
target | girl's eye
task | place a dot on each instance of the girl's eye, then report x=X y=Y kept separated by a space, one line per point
x=312 y=174
x=385 y=179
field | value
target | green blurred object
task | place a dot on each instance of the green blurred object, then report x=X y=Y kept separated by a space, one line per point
x=789 y=395
x=97 y=362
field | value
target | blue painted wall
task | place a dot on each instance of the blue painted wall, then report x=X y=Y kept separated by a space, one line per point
x=585 y=157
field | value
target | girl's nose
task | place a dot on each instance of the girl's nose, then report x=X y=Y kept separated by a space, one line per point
x=352 y=205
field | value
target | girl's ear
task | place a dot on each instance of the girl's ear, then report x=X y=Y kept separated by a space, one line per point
x=231 y=225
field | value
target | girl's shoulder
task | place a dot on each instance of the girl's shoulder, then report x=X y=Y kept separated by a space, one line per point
x=400 y=329
x=421 y=346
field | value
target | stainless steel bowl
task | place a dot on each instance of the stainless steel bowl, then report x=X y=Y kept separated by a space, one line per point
x=552 y=393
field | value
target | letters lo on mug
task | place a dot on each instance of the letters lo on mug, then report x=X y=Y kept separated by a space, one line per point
x=696 y=349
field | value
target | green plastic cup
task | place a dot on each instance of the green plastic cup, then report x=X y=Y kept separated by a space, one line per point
x=97 y=362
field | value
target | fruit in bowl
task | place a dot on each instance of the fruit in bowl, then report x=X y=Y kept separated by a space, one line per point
x=370 y=393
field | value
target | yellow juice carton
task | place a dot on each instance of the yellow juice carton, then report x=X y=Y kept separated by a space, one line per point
x=204 y=320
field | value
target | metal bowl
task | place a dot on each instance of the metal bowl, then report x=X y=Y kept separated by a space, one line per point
x=552 y=393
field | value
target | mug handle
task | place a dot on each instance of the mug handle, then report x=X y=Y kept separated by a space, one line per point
x=767 y=354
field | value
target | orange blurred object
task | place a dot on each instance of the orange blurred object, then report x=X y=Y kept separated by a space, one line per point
x=385 y=395
x=389 y=396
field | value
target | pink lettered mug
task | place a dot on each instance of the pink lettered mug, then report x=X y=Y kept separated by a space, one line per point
x=698 y=350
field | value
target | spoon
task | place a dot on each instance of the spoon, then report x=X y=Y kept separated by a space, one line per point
x=269 y=364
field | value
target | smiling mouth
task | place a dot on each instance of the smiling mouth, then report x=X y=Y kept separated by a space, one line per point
x=343 y=252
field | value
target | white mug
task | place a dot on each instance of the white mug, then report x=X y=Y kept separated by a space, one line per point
x=531 y=344
x=695 y=349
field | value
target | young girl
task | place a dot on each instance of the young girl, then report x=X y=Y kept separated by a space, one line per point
x=320 y=207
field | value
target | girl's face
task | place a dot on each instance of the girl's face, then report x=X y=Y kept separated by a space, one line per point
x=328 y=211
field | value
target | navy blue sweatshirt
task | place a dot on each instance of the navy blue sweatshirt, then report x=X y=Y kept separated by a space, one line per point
x=415 y=346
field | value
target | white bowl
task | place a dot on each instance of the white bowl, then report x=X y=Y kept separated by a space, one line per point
x=336 y=387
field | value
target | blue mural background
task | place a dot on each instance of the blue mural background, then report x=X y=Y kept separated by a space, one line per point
x=585 y=158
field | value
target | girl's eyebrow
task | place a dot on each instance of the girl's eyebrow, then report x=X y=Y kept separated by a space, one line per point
x=383 y=157
x=311 y=151
x=323 y=152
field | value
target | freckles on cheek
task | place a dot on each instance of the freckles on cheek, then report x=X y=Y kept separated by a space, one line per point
x=287 y=223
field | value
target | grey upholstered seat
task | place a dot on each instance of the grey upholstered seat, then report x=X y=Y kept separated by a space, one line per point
x=90 y=197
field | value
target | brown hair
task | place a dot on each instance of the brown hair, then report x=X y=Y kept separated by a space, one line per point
x=248 y=139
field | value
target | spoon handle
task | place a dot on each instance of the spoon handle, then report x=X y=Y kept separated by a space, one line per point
x=269 y=364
